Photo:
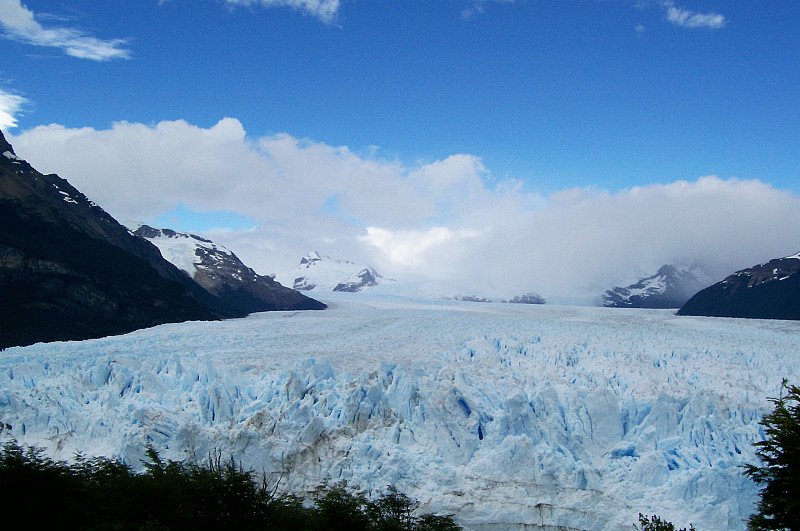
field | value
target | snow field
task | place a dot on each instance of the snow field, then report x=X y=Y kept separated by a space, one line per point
x=509 y=416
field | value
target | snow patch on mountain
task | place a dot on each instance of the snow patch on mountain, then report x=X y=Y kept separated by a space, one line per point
x=179 y=248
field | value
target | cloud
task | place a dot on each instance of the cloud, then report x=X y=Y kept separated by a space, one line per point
x=477 y=7
x=10 y=106
x=324 y=10
x=439 y=220
x=18 y=23
x=409 y=249
x=689 y=19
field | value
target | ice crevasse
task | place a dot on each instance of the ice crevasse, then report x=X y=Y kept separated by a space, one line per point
x=509 y=417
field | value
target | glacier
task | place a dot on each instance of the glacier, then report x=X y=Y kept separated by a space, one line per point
x=511 y=417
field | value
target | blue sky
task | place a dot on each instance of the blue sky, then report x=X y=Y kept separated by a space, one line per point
x=544 y=97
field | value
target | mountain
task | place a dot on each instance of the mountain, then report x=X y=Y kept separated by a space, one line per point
x=765 y=291
x=470 y=298
x=222 y=273
x=668 y=288
x=322 y=273
x=70 y=271
x=528 y=298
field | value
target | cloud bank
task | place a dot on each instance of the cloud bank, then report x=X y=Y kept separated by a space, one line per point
x=10 y=106
x=18 y=23
x=436 y=221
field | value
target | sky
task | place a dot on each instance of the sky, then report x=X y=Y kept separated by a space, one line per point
x=500 y=146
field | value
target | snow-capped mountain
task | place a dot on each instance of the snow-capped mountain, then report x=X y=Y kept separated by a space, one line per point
x=222 y=273
x=668 y=288
x=68 y=270
x=321 y=273
x=510 y=416
x=765 y=291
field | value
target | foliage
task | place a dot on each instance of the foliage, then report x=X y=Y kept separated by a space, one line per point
x=779 y=507
x=655 y=523
x=101 y=493
x=435 y=522
x=339 y=506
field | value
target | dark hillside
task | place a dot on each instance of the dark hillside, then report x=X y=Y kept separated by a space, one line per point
x=765 y=291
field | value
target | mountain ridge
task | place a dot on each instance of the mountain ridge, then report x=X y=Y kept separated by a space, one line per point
x=770 y=290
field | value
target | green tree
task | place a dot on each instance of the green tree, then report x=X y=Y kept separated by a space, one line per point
x=393 y=511
x=436 y=522
x=98 y=494
x=779 y=507
x=655 y=523
x=338 y=507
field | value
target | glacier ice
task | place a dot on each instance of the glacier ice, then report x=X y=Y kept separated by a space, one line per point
x=509 y=416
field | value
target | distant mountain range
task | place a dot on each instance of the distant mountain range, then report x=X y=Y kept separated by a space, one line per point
x=765 y=291
x=70 y=271
x=668 y=288
x=322 y=273
x=528 y=298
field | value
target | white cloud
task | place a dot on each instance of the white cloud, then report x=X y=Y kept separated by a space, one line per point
x=409 y=249
x=689 y=19
x=18 y=23
x=10 y=106
x=477 y=7
x=325 y=10
x=438 y=220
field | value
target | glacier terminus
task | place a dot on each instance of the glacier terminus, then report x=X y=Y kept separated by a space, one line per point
x=509 y=416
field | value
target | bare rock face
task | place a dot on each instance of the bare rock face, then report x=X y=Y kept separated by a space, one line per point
x=364 y=279
x=765 y=291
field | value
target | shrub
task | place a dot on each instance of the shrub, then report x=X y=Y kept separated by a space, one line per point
x=655 y=523
x=99 y=493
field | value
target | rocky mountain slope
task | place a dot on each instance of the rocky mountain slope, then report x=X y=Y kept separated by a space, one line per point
x=321 y=273
x=69 y=271
x=668 y=288
x=223 y=274
x=765 y=291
